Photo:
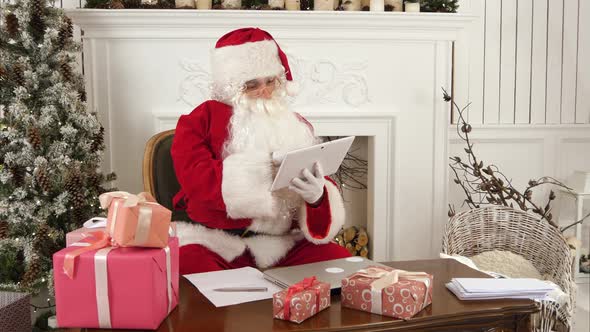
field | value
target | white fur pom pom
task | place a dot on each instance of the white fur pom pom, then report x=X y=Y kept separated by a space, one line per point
x=292 y=88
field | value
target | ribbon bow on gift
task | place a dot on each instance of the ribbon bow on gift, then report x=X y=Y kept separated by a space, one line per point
x=95 y=241
x=130 y=199
x=297 y=288
x=386 y=278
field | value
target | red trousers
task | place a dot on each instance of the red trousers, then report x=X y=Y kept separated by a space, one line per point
x=195 y=258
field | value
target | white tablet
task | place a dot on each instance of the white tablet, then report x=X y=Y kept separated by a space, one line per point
x=329 y=154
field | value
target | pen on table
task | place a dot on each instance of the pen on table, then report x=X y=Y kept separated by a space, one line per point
x=241 y=289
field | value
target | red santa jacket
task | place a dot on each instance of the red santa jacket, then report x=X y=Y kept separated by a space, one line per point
x=233 y=192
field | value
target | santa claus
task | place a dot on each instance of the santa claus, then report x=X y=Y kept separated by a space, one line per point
x=226 y=153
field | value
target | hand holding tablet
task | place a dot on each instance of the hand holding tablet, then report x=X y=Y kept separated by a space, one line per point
x=329 y=155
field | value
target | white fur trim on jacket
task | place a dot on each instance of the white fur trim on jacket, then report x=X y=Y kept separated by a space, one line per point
x=232 y=66
x=227 y=246
x=337 y=214
x=245 y=185
x=267 y=250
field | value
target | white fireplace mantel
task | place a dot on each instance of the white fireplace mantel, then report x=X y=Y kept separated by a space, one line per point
x=141 y=23
x=375 y=74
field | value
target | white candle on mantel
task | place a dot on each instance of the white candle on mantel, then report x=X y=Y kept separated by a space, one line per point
x=377 y=5
x=398 y=5
x=323 y=4
x=293 y=5
x=203 y=4
x=185 y=3
x=276 y=3
x=352 y=5
x=231 y=4
x=412 y=7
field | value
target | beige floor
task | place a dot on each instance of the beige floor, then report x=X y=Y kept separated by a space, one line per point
x=582 y=316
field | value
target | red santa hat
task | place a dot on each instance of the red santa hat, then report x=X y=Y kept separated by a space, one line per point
x=245 y=54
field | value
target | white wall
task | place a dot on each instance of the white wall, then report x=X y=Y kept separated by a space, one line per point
x=529 y=61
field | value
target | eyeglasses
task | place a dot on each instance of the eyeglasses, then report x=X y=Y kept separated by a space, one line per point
x=256 y=84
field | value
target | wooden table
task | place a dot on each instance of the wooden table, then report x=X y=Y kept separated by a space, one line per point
x=447 y=313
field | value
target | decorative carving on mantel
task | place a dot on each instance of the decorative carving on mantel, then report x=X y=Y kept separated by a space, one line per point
x=327 y=82
x=322 y=82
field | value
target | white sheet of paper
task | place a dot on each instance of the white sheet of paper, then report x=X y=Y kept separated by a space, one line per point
x=243 y=277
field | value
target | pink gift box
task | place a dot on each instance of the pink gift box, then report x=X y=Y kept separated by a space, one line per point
x=386 y=291
x=136 y=220
x=80 y=234
x=130 y=288
x=301 y=301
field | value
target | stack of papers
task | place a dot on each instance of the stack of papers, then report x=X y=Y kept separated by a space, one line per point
x=485 y=289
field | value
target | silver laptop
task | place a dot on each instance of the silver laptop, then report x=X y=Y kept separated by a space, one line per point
x=332 y=271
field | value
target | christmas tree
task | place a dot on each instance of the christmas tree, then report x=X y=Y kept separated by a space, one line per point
x=50 y=144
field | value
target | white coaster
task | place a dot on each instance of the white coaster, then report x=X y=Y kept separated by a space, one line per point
x=334 y=270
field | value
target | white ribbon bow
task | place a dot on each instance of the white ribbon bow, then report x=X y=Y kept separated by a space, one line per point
x=130 y=199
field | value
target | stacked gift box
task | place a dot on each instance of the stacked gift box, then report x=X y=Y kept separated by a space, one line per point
x=122 y=276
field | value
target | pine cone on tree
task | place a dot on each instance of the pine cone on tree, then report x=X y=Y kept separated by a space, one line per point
x=82 y=94
x=66 y=32
x=98 y=140
x=12 y=25
x=18 y=74
x=66 y=71
x=3 y=72
x=18 y=175
x=43 y=180
x=78 y=216
x=74 y=186
x=95 y=180
x=32 y=273
x=42 y=243
x=3 y=229
x=34 y=138
x=36 y=22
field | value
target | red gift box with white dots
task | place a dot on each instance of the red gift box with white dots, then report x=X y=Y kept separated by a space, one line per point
x=403 y=299
x=302 y=300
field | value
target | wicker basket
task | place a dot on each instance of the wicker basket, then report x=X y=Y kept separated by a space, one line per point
x=503 y=228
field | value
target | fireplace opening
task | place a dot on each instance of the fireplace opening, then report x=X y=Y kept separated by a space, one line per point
x=352 y=180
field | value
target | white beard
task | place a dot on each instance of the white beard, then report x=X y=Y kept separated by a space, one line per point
x=269 y=126
x=266 y=125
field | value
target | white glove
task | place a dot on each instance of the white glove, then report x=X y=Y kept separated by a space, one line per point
x=277 y=158
x=311 y=188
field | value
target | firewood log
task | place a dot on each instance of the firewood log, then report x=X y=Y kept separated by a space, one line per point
x=362 y=238
x=350 y=234
x=350 y=248
x=364 y=252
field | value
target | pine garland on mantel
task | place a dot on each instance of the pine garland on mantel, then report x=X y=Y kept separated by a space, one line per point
x=440 y=6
